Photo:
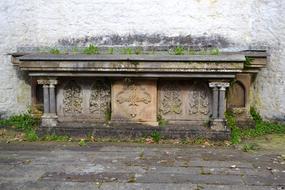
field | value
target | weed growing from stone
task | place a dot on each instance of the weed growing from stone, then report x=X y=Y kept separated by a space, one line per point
x=82 y=142
x=54 y=51
x=248 y=61
x=261 y=127
x=111 y=51
x=91 y=49
x=25 y=123
x=249 y=147
x=155 y=136
x=58 y=138
x=179 y=50
x=161 y=121
x=127 y=51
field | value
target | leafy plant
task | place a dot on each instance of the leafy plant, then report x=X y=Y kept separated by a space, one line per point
x=215 y=51
x=128 y=51
x=249 y=146
x=111 y=50
x=235 y=131
x=161 y=121
x=54 y=51
x=138 y=51
x=248 y=61
x=179 y=50
x=155 y=136
x=54 y=137
x=82 y=142
x=91 y=49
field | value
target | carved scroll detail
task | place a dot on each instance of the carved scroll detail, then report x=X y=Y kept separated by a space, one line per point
x=72 y=98
x=171 y=100
x=131 y=95
x=199 y=100
x=100 y=97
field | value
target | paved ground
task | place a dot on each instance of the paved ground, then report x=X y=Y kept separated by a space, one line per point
x=106 y=166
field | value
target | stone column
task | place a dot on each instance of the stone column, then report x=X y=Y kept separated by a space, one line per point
x=49 y=117
x=218 y=118
x=52 y=100
x=46 y=98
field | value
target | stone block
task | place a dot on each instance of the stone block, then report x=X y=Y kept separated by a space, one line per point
x=218 y=125
x=49 y=120
x=134 y=100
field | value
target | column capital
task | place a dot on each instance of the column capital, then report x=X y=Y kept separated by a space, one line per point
x=221 y=85
x=48 y=81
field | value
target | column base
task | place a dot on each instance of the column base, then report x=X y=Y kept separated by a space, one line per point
x=218 y=125
x=49 y=120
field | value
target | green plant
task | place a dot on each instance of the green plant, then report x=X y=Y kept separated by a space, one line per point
x=161 y=121
x=138 y=51
x=179 y=50
x=82 y=142
x=23 y=122
x=31 y=135
x=249 y=146
x=248 y=61
x=54 y=137
x=127 y=50
x=235 y=131
x=215 y=51
x=54 y=51
x=111 y=50
x=155 y=136
x=108 y=113
x=91 y=49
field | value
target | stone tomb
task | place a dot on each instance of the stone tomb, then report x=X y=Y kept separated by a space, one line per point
x=139 y=89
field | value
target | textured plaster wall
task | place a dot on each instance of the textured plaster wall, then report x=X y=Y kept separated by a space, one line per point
x=230 y=25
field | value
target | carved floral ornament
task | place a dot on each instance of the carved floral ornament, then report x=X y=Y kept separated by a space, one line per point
x=171 y=100
x=100 y=97
x=133 y=94
x=198 y=100
x=72 y=98
x=222 y=85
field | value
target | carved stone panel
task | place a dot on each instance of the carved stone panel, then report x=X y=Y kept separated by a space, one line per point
x=83 y=99
x=100 y=97
x=134 y=100
x=72 y=98
x=184 y=100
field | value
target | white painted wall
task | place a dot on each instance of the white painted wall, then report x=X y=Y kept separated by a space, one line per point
x=243 y=23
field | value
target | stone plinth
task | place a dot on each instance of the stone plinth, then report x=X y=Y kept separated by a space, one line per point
x=134 y=100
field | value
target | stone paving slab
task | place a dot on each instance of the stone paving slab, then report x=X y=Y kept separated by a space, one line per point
x=104 y=166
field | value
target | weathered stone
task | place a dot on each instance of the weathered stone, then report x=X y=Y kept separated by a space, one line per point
x=134 y=101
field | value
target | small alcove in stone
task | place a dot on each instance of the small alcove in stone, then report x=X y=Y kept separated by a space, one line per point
x=237 y=95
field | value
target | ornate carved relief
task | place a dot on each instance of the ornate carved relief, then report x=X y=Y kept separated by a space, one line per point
x=171 y=99
x=72 y=98
x=198 y=100
x=133 y=95
x=100 y=97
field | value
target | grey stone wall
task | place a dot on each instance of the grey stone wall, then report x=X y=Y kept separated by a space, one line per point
x=229 y=25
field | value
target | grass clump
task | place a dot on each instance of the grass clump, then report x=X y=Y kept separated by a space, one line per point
x=25 y=123
x=54 y=51
x=127 y=51
x=155 y=136
x=248 y=61
x=58 y=138
x=161 y=121
x=91 y=49
x=249 y=147
x=261 y=127
x=179 y=50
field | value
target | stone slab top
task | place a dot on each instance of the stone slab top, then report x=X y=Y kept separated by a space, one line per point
x=142 y=58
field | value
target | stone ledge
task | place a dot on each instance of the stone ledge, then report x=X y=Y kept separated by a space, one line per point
x=135 y=131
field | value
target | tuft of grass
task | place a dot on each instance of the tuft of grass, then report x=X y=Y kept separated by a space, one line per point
x=91 y=49
x=261 y=127
x=248 y=61
x=31 y=135
x=108 y=113
x=82 y=142
x=179 y=50
x=111 y=50
x=214 y=51
x=155 y=136
x=138 y=51
x=161 y=121
x=54 y=51
x=249 y=147
x=127 y=51
x=58 y=138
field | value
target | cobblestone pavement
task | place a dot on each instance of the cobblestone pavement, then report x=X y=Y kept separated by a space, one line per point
x=106 y=166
